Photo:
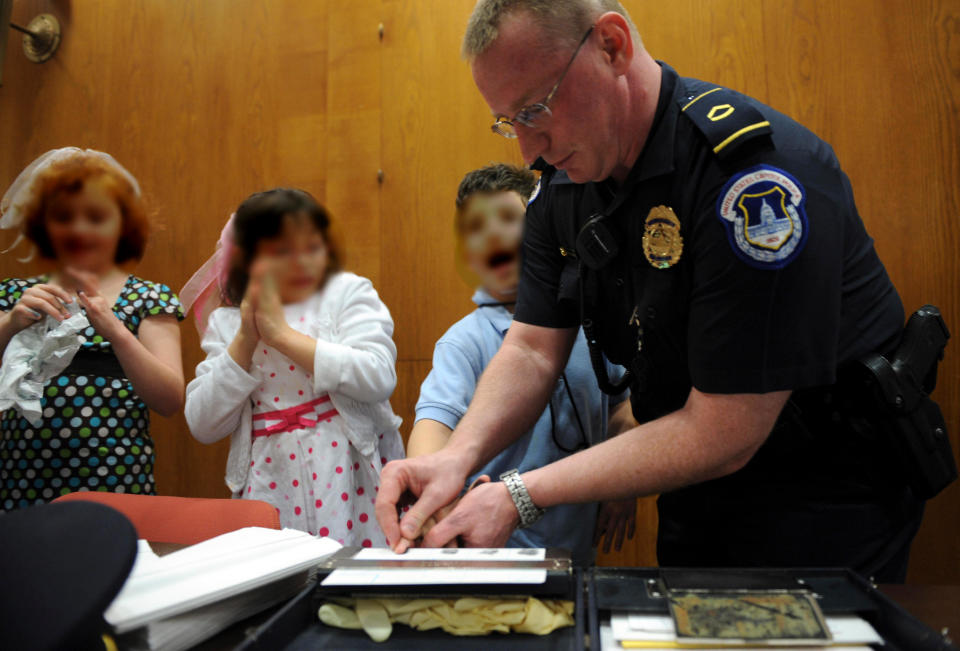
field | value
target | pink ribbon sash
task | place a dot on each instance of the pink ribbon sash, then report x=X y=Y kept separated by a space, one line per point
x=293 y=417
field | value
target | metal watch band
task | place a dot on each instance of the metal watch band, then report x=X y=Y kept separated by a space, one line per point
x=529 y=512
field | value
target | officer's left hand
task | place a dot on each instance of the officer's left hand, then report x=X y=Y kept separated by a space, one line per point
x=484 y=517
x=617 y=519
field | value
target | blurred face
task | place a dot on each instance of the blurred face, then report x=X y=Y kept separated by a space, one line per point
x=491 y=230
x=297 y=259
x=84 y=228
x=518 y=70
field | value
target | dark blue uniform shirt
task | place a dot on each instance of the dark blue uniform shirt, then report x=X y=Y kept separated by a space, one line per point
x=777 y=286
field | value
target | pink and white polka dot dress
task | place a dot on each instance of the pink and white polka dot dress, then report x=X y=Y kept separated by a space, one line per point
x=302 y=462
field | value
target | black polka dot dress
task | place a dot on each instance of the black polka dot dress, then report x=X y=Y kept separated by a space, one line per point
x=95 y=429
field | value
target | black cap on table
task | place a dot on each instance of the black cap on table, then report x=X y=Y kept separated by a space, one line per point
x=61 y=565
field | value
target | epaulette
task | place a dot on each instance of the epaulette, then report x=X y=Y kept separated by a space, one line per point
x=725 y=119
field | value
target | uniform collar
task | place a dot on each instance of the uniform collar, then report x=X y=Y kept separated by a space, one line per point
x=498 y=316
x=656 y=159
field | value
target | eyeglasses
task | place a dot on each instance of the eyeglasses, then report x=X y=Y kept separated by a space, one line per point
x=535 y=115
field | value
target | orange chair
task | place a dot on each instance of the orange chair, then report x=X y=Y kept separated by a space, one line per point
x=183 y=520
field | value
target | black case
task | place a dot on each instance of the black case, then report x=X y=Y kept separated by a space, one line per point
x=595 y=592
x=840 y=591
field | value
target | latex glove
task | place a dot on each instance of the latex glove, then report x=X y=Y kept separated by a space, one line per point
x=464 y=616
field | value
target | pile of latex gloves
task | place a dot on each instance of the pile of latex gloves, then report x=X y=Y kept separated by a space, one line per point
x=464 y=616
x=36 y=354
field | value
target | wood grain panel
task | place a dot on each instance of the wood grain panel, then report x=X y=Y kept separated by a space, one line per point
x=410 y=375
x=208 y=102
x=353 y=133
x=200 y=101
x=720 y=42
x=892 y=119
x=435 y=129
x=840 y=69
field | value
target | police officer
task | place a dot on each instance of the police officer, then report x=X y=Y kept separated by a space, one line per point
x=710 y=245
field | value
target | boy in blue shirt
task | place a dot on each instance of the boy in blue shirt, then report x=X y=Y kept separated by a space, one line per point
x=491 y=203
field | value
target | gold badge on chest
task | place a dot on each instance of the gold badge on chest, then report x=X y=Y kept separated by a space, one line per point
x=662 y=242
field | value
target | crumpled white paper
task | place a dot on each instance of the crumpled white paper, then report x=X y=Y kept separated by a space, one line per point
x=36 y=354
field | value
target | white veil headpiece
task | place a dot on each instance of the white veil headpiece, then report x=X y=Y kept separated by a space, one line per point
x=20 y=192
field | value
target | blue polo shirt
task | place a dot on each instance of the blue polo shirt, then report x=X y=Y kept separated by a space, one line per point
x=461 y=355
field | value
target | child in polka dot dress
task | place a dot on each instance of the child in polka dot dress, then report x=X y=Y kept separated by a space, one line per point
x=298 y=372
x=83 y=211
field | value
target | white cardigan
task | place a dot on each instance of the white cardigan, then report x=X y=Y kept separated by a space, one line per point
x=354 y=362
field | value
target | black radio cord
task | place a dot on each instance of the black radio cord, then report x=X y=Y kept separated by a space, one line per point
x=583 y=441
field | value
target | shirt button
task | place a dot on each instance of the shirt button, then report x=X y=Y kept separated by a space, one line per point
x=651 y=313
x=619 y=282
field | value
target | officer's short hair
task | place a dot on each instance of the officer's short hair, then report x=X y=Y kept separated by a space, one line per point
x=564 y=21
x=499 y=177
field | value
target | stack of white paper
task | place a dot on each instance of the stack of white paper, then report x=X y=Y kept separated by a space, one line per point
x=182 y=598
x=461 y=566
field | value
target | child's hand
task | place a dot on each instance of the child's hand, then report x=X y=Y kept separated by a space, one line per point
x=435 y=519
x=37 y=301
x=99 y=312
x=245 y=342
x=248 y=311
x=269 y=309
x=617 y=519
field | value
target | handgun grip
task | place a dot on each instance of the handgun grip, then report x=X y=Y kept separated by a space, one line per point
x=915 y=362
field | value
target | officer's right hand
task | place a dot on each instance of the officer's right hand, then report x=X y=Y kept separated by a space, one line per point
x=434 y=480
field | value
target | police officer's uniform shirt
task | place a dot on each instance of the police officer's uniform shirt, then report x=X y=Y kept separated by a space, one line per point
x=777 y=285
x=459 y=358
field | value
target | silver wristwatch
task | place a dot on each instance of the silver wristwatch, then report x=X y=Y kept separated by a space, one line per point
x=529 y=512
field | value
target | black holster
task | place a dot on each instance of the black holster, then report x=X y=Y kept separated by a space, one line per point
x=898 y=391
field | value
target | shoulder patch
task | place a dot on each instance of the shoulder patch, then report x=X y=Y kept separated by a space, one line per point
x=726 y=119
x=763 y=211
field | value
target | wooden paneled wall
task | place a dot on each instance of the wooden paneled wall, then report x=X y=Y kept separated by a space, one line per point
x=368 y=106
